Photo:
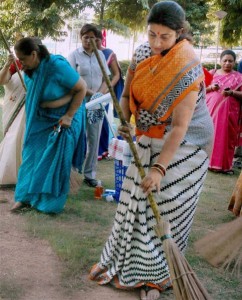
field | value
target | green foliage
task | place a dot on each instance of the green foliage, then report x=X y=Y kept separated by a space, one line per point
x=231 y=25
x=133 y=14
x=124 y=66
x=47 y=18
x=211 y=66
x=128 y=12
x=37 y=18
x=3 y=56
x=120 y=16
x=196 y=14
x=1 y=91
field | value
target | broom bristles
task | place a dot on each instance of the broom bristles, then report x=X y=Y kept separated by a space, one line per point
x=223 y=247
x=75 y=182
x=233 y=262
x=186 y=285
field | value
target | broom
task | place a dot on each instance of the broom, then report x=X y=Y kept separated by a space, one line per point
x=75 y=182
x=223 y=247
x=186 y=285
x=235 y=204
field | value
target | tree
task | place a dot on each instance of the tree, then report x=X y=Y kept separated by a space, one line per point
x=107 y=13
x=42 y=18
x=47 y=17
x=201 y=28
x=37 y=17
x=134 y=14
x=231 y=29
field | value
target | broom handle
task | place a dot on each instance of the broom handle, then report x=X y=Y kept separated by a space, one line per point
x=141 y=170
x=9 y=50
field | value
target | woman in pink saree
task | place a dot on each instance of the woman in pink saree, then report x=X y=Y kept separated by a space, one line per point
x=224 y=96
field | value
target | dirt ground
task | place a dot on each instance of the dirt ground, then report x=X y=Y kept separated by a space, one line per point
x=30 y=270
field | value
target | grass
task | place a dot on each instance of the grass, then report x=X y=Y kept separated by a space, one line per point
x=78 y=234
x=10 y=290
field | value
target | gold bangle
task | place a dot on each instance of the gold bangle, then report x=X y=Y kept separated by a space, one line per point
x=161 y=167
x=159 y=170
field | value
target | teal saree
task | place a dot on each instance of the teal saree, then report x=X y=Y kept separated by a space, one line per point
x=43 y=178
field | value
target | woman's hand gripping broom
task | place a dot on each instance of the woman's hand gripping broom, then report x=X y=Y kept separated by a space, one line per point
x=186 y=285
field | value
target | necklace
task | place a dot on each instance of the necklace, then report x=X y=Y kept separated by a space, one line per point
x=153 y=69
x=162 y=54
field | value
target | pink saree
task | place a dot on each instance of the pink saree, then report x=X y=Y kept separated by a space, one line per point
x=226 y=115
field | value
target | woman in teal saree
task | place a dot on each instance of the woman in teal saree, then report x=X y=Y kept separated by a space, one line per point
x=54 y=94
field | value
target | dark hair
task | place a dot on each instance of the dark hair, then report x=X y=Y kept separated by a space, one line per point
x=99 y=34
x=172 y=15
x=29 y=44
x=87 y=28
x=228 y=52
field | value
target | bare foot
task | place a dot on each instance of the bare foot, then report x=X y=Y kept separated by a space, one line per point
x=143 y=295
x=153 y=294
x=148 y=293
x=18 y=206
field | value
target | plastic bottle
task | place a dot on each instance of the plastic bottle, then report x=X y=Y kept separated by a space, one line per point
x=98 y=191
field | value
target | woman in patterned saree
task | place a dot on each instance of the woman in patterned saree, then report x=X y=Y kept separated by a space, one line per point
x=165 y=91
x=223 y=99
x=54 y=94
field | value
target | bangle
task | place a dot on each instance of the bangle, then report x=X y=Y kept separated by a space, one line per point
x=161 y=167
x=159 y=170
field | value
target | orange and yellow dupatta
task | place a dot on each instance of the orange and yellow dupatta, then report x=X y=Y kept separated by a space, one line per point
x=164 y=81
